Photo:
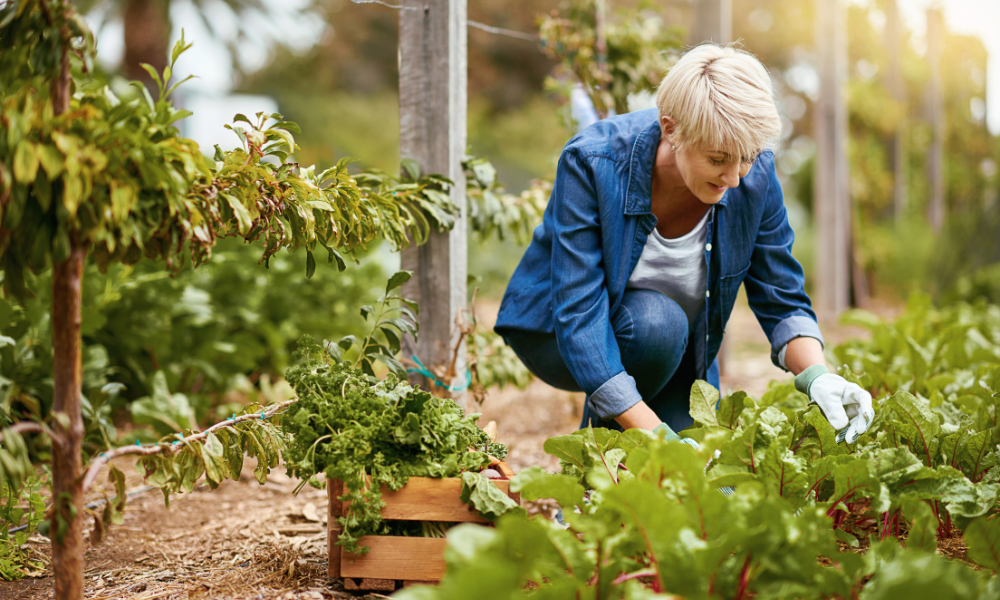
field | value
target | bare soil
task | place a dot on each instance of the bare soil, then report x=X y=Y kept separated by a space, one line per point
x=260 y=542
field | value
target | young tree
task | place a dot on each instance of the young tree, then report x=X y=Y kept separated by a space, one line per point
x=85 y=173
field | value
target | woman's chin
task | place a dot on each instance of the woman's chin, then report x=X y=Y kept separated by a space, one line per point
x=709 y=197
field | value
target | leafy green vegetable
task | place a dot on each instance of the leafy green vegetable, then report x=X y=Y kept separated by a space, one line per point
x=371 y=433
x=481 y=494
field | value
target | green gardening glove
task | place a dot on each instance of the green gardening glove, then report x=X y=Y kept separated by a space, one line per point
x=665 y=433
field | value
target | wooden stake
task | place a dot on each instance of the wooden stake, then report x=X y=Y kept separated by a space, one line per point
x=935 y=116
x=432 y=131
x=897 y=88
x=67 y=485
x=832 y=197
x=713 y=22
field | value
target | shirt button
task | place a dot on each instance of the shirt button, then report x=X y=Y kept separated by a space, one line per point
x=708 y=247
x=708 y=294
x=706 y=338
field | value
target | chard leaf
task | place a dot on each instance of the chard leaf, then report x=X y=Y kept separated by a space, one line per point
x=983 y=538
x=703 y=400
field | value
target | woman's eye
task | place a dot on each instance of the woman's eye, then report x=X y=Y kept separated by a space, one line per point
x=717 y=162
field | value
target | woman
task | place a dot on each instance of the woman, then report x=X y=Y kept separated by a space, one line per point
x=655 y=219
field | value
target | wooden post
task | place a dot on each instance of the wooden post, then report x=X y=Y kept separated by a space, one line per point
x=832 y=197
x=935 y=116
x=897 y=88
x=713 y=22
x=432 y=130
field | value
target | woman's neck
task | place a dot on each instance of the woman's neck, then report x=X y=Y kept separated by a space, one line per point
x=676 y=208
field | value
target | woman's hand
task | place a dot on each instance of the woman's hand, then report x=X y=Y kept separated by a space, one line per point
x=845 y=405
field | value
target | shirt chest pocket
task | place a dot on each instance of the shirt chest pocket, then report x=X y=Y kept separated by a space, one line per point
x=729 y=288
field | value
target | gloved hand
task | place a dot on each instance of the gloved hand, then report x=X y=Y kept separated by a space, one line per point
x=726 y=490
x=845 y=405
x=665 y=433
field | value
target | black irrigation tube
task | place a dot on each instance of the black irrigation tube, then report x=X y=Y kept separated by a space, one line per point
x=94 y=504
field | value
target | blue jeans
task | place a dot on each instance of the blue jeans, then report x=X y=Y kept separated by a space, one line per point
x=652 y=335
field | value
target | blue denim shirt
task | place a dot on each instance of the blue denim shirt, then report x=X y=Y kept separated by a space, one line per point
x=572 y=277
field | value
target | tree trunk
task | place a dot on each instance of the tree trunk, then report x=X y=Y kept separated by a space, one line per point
x=67 y=490
x=147 y=38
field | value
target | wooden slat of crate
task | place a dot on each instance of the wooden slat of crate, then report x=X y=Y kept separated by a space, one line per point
x=396 y=557
x=426 y=499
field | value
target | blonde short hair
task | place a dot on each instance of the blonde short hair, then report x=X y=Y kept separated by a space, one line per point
x=720 y=98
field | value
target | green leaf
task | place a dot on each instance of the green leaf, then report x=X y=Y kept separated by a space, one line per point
x=703 y=400
x=534 y=483
x=179 y=48
x=730 y=408
x=411 y=169
x=398 y=279
x=165 y=412
x=919 y=425
x=310 y=264
x=982 y=536
x=827 y=435
x=335 y=256
x=213 y=453
x=153 y=74
x=923 y=526
x=393 y=364
x=25 y=162
x=481 y=494
x=243 y=218
x=51 y=160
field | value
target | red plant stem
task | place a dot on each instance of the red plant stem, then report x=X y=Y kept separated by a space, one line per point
x=744 y=578
x=599 y=564
x=626 y=576
x=885 y=525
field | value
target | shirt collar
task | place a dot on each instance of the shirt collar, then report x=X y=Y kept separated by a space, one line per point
x=639 y=197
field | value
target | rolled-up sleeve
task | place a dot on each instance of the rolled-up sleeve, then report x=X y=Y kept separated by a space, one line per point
x=775 y=282
x=580 y=297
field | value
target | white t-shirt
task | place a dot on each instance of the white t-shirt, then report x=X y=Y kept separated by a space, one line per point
x=675 y=268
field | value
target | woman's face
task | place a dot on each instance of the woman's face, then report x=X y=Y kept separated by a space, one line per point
x=708 y=173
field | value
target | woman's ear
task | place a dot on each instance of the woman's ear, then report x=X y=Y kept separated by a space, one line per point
x=667 y=128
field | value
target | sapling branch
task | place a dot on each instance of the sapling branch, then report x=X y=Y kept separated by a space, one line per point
x=166 y=448
x=23 y=427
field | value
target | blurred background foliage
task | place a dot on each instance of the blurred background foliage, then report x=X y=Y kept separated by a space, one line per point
x=217 y=333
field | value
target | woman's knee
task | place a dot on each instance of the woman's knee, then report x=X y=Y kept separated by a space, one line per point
x=653 y=321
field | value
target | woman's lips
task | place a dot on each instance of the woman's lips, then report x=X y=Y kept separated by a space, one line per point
x=718 y=189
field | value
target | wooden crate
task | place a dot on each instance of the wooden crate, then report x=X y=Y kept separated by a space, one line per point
x=394 y=559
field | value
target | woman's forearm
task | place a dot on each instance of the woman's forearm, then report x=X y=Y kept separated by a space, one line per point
x=639 y=416
x=802 y=353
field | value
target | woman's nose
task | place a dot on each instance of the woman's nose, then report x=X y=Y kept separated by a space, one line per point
x=731 y=176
